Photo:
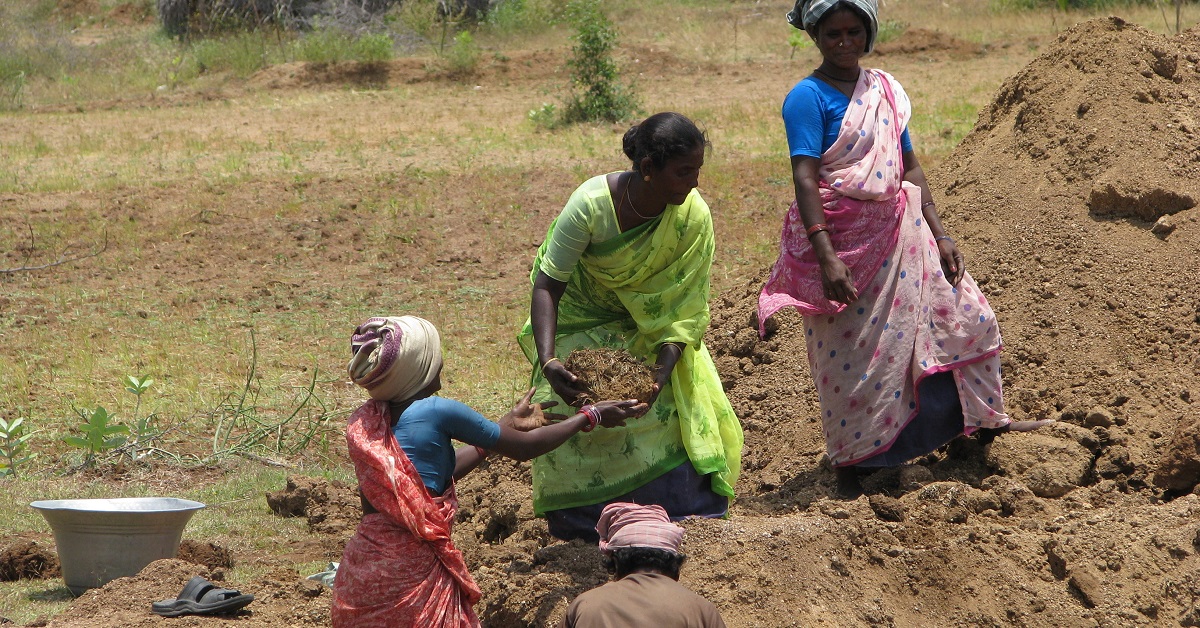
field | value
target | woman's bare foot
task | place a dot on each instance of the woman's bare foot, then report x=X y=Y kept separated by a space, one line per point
x=848 y=486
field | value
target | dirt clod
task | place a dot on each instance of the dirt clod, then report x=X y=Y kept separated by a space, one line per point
x=611 y=374
x=27 y=560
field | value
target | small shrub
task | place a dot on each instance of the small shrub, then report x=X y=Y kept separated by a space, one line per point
x=12 y=91
x=145 y=429
x=421 y=17
x=598 y=94
x=799 y=40
x=325 y=45
x=243 y=54
x=515 y=16
x=544 y=117
x=463 y=55
x=889 y=30
x=372 y=48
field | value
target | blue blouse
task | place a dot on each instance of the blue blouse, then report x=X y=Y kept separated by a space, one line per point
x=812 y=115
x=425 y=429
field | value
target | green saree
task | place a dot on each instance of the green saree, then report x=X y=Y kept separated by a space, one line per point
x=645 y=287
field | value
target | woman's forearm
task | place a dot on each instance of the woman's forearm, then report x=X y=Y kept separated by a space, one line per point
x=543 y=315
x=806 y=178
x=914 y=174
x=466 y=459
x=668 y=354
x=528 y=445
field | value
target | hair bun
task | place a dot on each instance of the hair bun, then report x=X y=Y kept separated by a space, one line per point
x=629 y=142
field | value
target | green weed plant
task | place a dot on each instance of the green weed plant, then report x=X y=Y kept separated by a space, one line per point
x=242 y=427
x=14 y=447
x=99 y=434
x=144 y=428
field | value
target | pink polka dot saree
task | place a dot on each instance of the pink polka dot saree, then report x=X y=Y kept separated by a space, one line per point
x=909 y=322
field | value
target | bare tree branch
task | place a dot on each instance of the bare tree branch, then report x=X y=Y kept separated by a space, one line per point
x=64 y=256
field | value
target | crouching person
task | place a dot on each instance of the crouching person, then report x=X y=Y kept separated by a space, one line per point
x=640 y=545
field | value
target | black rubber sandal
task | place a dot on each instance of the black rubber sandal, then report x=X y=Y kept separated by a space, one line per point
x=201 y=597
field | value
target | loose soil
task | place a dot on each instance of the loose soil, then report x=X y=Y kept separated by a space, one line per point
x=1074 y=199
x=610 y=374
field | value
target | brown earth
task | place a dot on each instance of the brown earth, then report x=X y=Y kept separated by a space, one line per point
x=27 y=559
x=1074 y=200
x=611 y=374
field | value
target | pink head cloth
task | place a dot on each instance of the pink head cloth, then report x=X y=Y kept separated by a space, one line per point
x=634 y=525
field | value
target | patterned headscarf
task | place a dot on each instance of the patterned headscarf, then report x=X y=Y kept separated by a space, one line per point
x=395 y=357
x=632 y=525
x=807 y=13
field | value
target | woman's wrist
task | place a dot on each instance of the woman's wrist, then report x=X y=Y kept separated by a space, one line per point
x=591 y=415
x=826 y=255
x=548 y=363
x=483 y=453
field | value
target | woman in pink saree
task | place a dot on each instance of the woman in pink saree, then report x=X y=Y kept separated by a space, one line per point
x=902 y=345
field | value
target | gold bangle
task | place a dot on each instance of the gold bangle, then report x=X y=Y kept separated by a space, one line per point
x=548 y=364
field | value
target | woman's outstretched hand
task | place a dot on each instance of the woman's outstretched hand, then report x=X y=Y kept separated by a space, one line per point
x=837 y=281
x=614 y=413
x=952 y=261
x=564 y=383
x=527 y=416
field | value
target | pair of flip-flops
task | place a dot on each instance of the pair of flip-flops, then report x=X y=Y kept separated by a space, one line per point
x=201 y=597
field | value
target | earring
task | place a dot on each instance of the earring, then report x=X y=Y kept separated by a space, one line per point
x=646 y=178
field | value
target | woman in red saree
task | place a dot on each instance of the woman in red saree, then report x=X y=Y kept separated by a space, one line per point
x=401 y=568
x=902 y=345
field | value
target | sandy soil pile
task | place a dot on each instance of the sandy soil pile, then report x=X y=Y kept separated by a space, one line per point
x=1074 y=201
x=1055 y=195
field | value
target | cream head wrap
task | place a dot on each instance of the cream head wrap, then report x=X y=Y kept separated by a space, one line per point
x=395 y=357
x=633 y=525
x=807 y=13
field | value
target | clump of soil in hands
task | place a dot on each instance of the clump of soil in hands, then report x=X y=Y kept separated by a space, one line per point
x=610 y=374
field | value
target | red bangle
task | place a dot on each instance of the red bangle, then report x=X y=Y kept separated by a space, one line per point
x=815 y=229
x=592 y=415
x=483 y=453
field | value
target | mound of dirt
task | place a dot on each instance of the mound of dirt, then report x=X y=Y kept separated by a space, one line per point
x=22 y=559
x=927 y=43
x=611 y=374
x=281 y=598
x=331 y=508
x=205 y=553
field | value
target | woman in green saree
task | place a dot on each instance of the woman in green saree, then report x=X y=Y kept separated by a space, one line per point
x=626 y=265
